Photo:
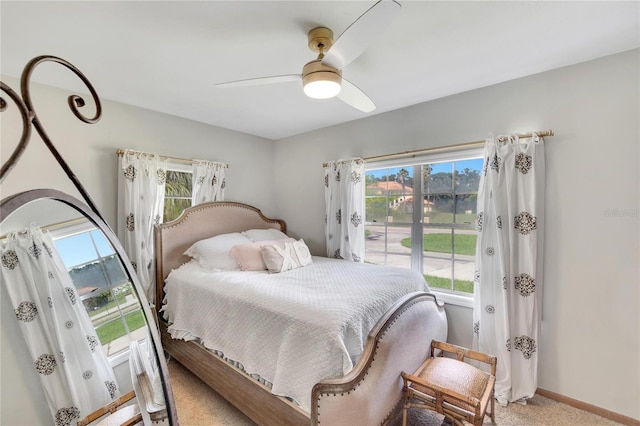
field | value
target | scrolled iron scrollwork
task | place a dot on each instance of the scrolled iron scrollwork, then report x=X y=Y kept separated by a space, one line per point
x=29 y=116
x=26 y=129
x=75 y=101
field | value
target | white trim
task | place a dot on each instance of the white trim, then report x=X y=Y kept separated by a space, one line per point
x=454 y=298
x=119 y=358
x=466 y=154
x=123 y=356
x=179 y=167
x=71 y=229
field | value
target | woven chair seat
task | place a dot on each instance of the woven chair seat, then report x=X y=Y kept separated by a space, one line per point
x=448 y=375
x=450 y=386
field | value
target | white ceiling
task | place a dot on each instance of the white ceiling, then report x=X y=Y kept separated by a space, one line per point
x=167 y=55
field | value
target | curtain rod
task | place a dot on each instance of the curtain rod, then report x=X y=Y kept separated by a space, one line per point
x=120 y=152
x=50 y=227
x=448 y=147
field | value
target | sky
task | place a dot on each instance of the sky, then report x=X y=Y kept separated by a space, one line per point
x=78 y=249
x=474 y=164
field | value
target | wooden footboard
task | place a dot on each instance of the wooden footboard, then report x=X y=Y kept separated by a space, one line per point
x=369 y=395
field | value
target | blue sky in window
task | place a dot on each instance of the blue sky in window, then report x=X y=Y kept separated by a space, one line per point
x=473 y=164
x=78 y=249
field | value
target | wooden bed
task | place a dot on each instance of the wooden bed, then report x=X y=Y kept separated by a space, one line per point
x=369 y=394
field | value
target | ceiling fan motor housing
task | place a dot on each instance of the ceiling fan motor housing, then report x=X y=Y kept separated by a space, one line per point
x=320 y=39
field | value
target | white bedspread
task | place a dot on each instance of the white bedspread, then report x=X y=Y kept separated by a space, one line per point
x=295 y=328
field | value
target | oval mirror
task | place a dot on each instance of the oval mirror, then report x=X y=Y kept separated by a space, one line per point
x=122 y=336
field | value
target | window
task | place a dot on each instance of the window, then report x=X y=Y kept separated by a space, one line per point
x=177 y=192
x=102 y=284
x=422 y=216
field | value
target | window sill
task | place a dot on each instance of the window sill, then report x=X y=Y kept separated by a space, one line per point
x=454 y=299
x=119 y=358
x=123 y=356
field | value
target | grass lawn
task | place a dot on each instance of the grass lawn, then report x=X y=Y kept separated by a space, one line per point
x=441 y=243
x=114 y=329
x=445 y=283
x=443 y=217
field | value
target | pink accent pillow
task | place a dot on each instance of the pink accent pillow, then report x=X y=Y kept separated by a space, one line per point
x=249 y=256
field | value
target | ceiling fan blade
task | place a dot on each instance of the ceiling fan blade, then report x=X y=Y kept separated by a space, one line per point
x=353 y=96
x=361 y=33
x=260 y=81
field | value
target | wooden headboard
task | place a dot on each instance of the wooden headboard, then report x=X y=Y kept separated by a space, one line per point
x=205 y=220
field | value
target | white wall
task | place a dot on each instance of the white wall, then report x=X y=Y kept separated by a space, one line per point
x=90 y=150
x=590 y=348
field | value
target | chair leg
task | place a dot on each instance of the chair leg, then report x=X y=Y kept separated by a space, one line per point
x=493 y=409
x=404 y=415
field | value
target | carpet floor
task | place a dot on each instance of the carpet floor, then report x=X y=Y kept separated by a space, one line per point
x=199 y=405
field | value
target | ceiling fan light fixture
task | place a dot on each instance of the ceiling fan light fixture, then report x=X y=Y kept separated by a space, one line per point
x=322 y=87
x=321 y=81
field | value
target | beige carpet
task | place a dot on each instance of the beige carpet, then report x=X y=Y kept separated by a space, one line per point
x=199 y=405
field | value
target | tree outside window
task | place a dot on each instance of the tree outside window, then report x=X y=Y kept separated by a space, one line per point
x=177 y=193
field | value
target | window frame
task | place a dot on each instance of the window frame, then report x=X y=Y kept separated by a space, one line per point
x=79 y=226
x=182 y=168
x=417 y=224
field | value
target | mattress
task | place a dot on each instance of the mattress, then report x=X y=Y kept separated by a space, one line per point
x=294 y=328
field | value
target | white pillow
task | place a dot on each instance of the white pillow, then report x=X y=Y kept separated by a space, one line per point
x=285 y=256
x=265 y=234
x=213 y=253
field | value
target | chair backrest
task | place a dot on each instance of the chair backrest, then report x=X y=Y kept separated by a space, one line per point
x=463 y=353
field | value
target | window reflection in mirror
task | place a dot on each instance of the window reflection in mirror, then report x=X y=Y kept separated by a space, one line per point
x=104 y=287
x=108 y=296
x=100 y=279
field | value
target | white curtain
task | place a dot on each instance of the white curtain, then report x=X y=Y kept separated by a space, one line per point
x=66 y=353
x=141 y=183
x=344 y=209
x=208 y=182
x=508 y=279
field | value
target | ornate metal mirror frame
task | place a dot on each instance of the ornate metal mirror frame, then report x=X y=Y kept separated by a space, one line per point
x=90 y=211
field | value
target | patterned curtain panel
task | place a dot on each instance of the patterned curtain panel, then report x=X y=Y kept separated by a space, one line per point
x=508 y=281
x=208 y=182
x=344 y=209
x=141 y=183
x=66 y=353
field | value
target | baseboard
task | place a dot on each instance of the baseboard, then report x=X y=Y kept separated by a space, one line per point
x=616 y=417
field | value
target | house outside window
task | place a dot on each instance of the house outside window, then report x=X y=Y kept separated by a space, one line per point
x=422 y=215
x=102 y=284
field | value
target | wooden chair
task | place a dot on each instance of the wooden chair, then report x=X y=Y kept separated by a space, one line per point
x=452 y=387
x=125 y=416
x=148 y=407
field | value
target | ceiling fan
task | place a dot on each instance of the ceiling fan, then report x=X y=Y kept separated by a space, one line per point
x=322 y=77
